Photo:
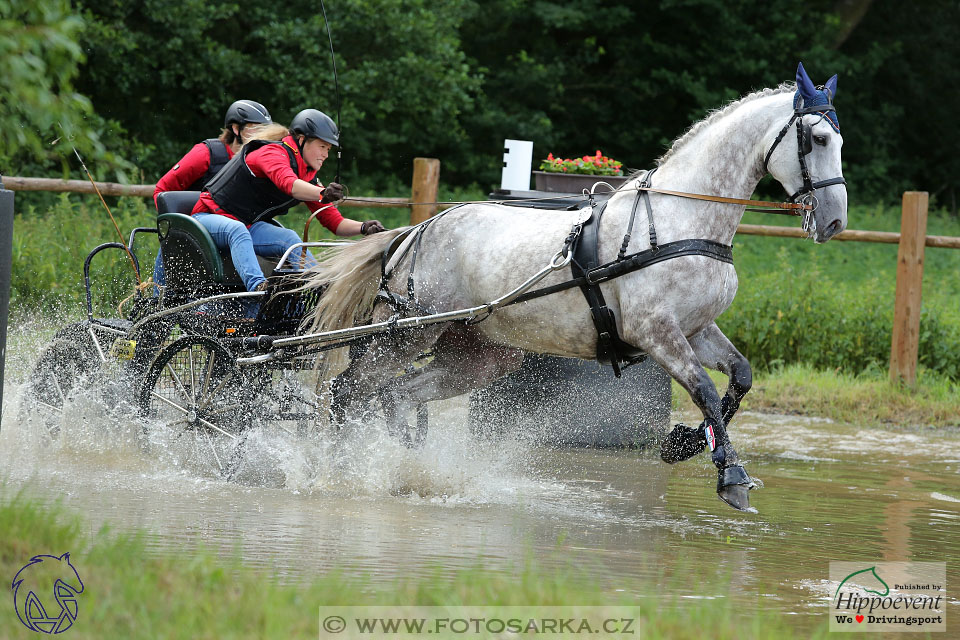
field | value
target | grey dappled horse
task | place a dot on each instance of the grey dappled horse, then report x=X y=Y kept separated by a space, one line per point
x=478 y=252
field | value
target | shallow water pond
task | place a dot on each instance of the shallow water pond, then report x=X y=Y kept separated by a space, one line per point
x=624 y=519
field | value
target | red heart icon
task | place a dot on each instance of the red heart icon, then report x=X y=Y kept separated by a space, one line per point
x=859 y=618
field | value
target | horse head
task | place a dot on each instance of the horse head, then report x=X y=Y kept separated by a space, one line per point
x=808 y=164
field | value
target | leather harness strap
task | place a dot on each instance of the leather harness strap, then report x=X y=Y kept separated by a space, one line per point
x=585 y=258
x=783 y=208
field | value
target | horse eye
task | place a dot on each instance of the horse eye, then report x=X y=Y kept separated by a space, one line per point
x=820 y=140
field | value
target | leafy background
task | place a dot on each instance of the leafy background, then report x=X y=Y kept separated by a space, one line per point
x=136 y=82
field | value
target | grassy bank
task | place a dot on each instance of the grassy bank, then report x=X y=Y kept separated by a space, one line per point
x=868 y=398
x=130 y=594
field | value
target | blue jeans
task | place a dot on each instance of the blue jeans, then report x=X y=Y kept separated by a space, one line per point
x=245 y=244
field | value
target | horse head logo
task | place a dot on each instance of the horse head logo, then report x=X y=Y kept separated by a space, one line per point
x=45 y=593
x=866 y=574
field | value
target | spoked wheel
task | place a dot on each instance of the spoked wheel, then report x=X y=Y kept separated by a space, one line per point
x=194 y=386
x=58 y=372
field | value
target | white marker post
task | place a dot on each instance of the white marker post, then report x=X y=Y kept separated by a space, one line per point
x=517 y=162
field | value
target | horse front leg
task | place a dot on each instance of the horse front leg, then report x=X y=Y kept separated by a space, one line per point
x=667 y=345
x=717 y=352
x=714 y=351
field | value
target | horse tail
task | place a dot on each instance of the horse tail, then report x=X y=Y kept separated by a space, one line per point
x=348 y=279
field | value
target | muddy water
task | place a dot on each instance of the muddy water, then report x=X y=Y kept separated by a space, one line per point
x=364 y=503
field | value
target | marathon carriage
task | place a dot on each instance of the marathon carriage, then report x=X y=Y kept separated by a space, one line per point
x=202 y=354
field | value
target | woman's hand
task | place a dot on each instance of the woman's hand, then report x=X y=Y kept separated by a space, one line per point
x=332 y=193
x=370 y=227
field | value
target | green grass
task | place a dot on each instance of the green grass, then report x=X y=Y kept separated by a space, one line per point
x=129 y=593
x=868 y=398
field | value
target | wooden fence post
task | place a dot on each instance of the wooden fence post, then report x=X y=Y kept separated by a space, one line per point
x=909 y=298
x=426 y=185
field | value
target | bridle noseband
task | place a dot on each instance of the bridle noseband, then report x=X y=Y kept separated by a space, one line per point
x=804 y=147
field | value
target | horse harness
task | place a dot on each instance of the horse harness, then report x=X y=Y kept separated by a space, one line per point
x=583 y=241
x=588 y=273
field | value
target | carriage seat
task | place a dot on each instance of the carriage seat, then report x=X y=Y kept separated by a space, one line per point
x=191 y=260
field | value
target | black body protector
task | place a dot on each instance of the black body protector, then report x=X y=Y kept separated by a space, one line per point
x=248 y=198
x=218 y=160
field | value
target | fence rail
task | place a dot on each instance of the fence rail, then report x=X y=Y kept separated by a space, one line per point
x=851 y=235
x=423 y=203
x=17 y=183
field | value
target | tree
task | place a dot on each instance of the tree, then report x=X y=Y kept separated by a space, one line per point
x=43 y=114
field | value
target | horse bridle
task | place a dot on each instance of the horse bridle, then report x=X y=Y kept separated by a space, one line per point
x=804 y=147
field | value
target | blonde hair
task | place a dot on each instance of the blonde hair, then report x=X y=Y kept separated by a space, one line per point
x=268 y=131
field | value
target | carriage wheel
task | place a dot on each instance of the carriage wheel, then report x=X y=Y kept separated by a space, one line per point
x=59 y=370
x=195 y=386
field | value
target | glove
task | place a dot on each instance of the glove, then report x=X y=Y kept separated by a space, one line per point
x=370 y=227
x=332 y=193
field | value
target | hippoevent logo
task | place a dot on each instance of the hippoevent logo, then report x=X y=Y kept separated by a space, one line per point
x=888 y=596
x=45 y=593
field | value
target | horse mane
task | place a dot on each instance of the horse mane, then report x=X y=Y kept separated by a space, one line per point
x=719 y=113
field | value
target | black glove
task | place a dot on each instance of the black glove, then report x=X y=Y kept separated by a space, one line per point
x=333 y=193
x=370 y=227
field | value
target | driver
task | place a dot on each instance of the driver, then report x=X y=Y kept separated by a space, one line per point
x=266 y=179
x=206 y=158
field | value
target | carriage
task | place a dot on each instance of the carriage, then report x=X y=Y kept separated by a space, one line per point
x=204 y=356
x=199 y=355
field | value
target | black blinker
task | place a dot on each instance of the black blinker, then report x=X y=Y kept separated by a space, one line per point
x=806 y=139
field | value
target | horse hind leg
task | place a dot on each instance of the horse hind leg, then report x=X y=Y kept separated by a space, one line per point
x=463 y=360
x=667 y=345
x=386 y=355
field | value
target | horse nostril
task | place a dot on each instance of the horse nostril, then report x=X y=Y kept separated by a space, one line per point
x=834 y=228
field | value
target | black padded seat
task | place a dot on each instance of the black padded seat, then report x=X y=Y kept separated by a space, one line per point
x=191 y=260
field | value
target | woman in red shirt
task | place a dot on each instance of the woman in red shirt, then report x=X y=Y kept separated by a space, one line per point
x=264 y=180
x=206 y=158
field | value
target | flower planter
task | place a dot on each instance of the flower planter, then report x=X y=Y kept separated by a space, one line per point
x=573 y=182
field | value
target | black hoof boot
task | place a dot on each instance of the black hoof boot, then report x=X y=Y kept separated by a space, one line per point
x=682 y=444
x=733 y=487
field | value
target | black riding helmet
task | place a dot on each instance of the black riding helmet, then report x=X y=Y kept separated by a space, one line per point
x=315 y=124
x=246 y=112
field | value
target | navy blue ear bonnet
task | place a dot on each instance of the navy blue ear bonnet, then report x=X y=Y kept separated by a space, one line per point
x=809 y=95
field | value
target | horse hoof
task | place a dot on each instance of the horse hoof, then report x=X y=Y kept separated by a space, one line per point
x=733 y=487
x=682 y=444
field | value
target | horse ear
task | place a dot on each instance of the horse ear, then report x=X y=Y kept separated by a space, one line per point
x=831 y=86
x=66 y=557
x=805 y=84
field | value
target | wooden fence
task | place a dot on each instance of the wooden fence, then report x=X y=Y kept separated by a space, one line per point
x=423 y=203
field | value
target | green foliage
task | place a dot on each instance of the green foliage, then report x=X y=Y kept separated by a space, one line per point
x=49 y=249
x=40 y=58
x=403 y=76
x=832 y=306
x=867 y=398
x=453 y=79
